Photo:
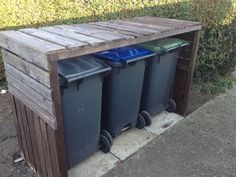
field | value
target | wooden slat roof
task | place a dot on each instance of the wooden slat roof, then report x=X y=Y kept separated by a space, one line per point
x=74 y=40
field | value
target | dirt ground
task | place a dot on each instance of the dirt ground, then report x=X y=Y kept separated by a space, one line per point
x=9 y=150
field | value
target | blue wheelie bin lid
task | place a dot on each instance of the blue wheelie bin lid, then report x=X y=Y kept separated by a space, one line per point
x=73 y=69
x=124 y=54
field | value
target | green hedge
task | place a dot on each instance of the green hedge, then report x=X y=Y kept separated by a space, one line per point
x=216 y=58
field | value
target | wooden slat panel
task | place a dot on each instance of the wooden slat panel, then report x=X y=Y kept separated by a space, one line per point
x=16 y=121
x=75 y=36
x=107 y=28
x=34 y=141
x=54 y=38
x=45 y=143
x=41 y=101
x=120 y=43
x=40 y=145
x=194 y=49
x=28 y=47
x=59 y=169
x=29 y=81
x=21 y=128
x=27 y=136
x=170 y=20
x=115 y=34
x=171 y=25
x=100 y=34
x=26 y=67
x=120 y=26
x=33 y=106
x=141 y=23
x=135 y=27
x=58 y=135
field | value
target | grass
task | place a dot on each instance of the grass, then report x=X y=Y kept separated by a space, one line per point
x=220 y=85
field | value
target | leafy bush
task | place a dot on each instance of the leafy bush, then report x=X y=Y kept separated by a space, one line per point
x=216 y=58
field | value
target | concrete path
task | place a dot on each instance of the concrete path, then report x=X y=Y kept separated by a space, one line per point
x=201 y=145
x=124 y=146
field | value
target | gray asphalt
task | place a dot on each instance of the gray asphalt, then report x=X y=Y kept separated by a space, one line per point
x=201 y=145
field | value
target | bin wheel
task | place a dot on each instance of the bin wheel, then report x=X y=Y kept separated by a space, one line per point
x=105 y=144
x=147 y=117
x=140 y=122
x=171 y=106
x=108 y=135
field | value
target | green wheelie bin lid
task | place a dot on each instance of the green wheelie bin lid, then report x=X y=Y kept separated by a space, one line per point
x=165 y=45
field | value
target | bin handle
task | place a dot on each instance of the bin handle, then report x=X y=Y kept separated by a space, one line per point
x=65 y=82
x=127 y=62
x=177 y=47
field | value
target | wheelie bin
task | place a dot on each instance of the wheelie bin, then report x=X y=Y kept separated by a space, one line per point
x=81 y=82
x=159 y=76
x=123 y=87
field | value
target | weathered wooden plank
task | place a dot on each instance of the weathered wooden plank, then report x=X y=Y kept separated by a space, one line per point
x=54 y=38
x=27 y=135
x=174 y=21
x=141 y=23
x=58 y=169
x=121 y=43
x=28 y=47
x=196 y=39
x=49 y=119
x=16 y=121
x=26 y=67
x=135 y=27
x=29 y=81
x=33 y=141
x=116 y=31
x=46 y=147
x=100 y=34
x=21 y=128
x=40 y=145
x=169 y=24
x=59 y=132
x=120 y=26
x=40 y=100
x=72 y=35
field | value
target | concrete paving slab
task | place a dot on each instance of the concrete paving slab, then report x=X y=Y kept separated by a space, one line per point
x=162 y=122
x=95 y=166
x=130 y=142
x=124 y=146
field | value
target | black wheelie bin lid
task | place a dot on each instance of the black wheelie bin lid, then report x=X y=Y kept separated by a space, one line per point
x=73 y=69
x=164 y=45
x=124 y=55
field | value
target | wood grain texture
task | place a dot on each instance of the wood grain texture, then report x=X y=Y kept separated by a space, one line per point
x=72 y=35
x=16 y=121
x=21 y=128
x=28 y=47
x=27 y=135
x=48 y=118
x=40 y=141
x=94 y=37
x=33 y=141
x=29 y=81
x=110 y=29
x=26 y=67
x=33 y=95
x=59 y=132
x=54 y=38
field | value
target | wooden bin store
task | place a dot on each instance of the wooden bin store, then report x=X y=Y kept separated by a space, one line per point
x=30 y=57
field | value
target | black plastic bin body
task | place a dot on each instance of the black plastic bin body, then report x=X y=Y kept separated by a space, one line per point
x=81 y=82
x=160 y=75
x=122 y=92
